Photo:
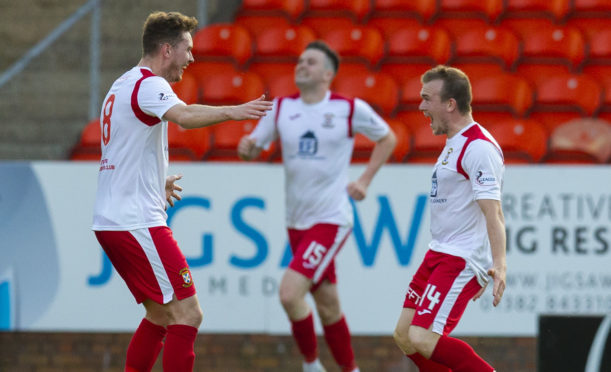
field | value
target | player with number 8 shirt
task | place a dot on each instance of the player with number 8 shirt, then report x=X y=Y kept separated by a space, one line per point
x=133 y=189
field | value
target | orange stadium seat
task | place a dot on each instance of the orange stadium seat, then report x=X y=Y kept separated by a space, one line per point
x=403 y=72
x=255 y=24
x=283 y=44
x=322 y=25
x=535 y=72
x=600 y=47
x=223 y=41
x=187 y=145
x=281 y=85
x=187 y=89
x=502 y=92
x=479 y=70
x=424 y=10
x=555 y=10
x=580 y=141
x=577 y=93
x=89 y=144
x=352 y=69
x=489 y=10
x=356 y=9
x=494 y=44
x=231 y=88
x=522 y=140
x=602 y=73
x=591 y=8
x=426 y=146
x=291 y=9
x=226 y=137
x=202 y=70
x=364 y=146
x=359 y=43
x=379 y=90
x=421 y=44
x=409 y=98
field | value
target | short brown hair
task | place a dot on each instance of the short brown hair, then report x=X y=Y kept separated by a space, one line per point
x=326 y=49
x=455 y=85
x=165 y=27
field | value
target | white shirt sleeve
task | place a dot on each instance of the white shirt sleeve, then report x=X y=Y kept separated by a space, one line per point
x=366 y=121
x=265 y=131
x=156 y=96
x=484 y=165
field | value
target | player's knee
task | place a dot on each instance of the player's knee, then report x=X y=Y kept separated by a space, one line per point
x=288 y=296
x=329 y=312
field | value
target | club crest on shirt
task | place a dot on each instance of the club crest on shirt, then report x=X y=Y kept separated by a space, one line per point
x=485 y=179
x=445 y=159
x=434 y=184
x=186 y=277
x=164 y=97
x=328 y=123
x=308 y=144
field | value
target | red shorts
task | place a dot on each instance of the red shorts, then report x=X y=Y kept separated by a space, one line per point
x=314 y=251
x=150 y=262
x=440 y=291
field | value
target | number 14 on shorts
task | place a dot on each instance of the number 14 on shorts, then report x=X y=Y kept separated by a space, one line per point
x=432 y=295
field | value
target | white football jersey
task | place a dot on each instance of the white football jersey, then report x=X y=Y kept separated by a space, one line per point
x=317 y=141
x=469 y=168
x=131 y=182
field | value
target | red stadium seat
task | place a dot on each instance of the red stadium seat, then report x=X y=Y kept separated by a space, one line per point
x=591 y=8
x=522 y=140
x=226 y=137
x=355 y=9
x=403 y=72
x=600 y=47
x=352 y=69
x=410 y=93
x=555 y=10
x=502 y=92
x=424 y=10
x=359 y=43
x=231 y=88
x=389 y=25
x=553 y=119
x=283 y=44
x=267 y=70
x=187 y=89
x=580 y=141
x=458 y=26
x=202 y=70
x=281 y=85
x=89 y=144
x=379 y=90
x=255 y=24
x=576 y=93
x=479 y=70
x=536 y=72
x=364 y=146
x=420 y=44
x=493 y=44
x=602 y=73
x=489 y=10
x=291 y=9
x=426 y=146
x=223 y=41
x=188 y=145
x=322 y=25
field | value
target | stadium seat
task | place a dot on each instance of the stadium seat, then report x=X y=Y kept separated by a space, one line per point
x=352 y=69
x=282 y=44
x=602 y=73
x=420 y=44
x=426 y=146
x=403 y=72
x=458 y=26
x=291 y=9
x=358 y=10
x=268 y=70
x=423 y=10
x=255 y=24
x=479 y=70
x=536 y=72
x=187 y=89
x=489 y=10
x=492 y=45
x=223 y=41
x=591 y=8
x=503 y=92
x=322 y=25
x=231 y=88
x=202 y=70
x=553 y=119
x=409 y=98
x=188 y=145
x=281 y=85
x=580 y=141
x=555 y=10
x=576 y=93
x=226 y=137
x=600 y=47
x=389 y=25
x=88 y=147
x=359 y=43
x=379 y=90
x=364 y=146
x=522 y=140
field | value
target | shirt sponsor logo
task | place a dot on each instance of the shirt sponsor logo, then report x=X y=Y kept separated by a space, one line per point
x=445 y=159
x=485 y=180
x=308 y=144
x=328 y=123
x=296 y=116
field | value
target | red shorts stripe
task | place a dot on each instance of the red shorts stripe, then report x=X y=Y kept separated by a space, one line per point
x=150 y=262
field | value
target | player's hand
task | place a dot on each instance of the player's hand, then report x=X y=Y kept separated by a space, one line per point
x=171 y=188
x=254 y=109
x=246 y=147
x=357 y=190
x=498 y=274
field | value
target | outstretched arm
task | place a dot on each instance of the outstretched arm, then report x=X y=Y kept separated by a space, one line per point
x=197 y=116
x=495 y=224
x=381 y=152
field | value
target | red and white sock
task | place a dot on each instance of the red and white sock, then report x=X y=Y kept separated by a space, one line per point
x=144 y=347
x=305 y=336
x=459 y=356
x=338 y=339
x=427 y=365
x=178 y=355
